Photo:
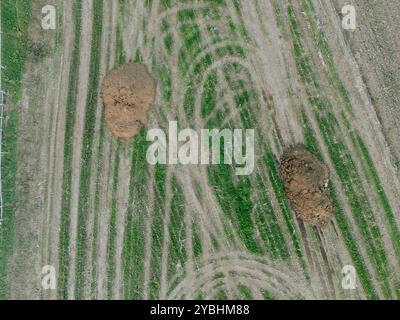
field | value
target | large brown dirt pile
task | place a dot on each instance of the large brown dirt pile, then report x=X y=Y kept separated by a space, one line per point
x=306 y=183
x=127 y=92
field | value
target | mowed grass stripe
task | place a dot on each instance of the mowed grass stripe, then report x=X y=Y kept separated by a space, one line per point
x=267 y=222
x=321 y=43
x=177 y=230
x=87 y=145
x=340 y=216
x=375 y=181
x=357 y=199
x=157 y=231
x=64 y=241
x=342 y=160
x=112 y=231
x=134 y=235
x=120 y=59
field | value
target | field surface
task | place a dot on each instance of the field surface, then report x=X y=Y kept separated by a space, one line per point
x=115 y=227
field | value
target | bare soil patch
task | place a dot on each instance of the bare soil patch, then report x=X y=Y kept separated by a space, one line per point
x=128 y=93
x=306 y=179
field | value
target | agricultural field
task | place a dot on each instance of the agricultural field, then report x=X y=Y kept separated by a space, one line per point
x=81 y=202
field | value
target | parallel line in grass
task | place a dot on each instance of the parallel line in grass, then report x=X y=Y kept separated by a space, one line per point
x=99 y=170
x=268 y=224
x=177 y=232
x=345 y=170
x=120 y=59
x=134 y=234
x=87 y=144
x=279 y=191
x=14 y=50
x=196 y=240
x=374 y=179
x=64 y=234
x=321 y=42
x=157 y=232
x=358 y=201
x=112 y=231
x=362 y=271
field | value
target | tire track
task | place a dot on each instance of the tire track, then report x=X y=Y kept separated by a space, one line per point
x=84 y=66
x=56 y=154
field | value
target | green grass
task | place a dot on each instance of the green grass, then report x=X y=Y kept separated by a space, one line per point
x=346 y=232
x=112 y=230
x=209 y=98
x=157 y=231
x=133 y=248
x=177 y=231
x=64 y=233
x=268 y=224
x=343 y=162
x=87 y=147
x=15 y=16
x=279 y=191
x=245 y=292
x=375 y=181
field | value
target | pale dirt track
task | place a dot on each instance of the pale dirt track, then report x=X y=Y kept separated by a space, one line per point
x=84 y=65
x=57 y=147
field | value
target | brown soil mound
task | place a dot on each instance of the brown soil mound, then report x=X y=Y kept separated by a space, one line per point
x=306 y=184
x=127 y=92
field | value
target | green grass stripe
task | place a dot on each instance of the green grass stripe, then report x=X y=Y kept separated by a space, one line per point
x=268 y=224
x=14 y=22
x=112 y=231
x=64 y=234
x=157 y=231
x=209 y=98
x=134 y=235
x=267 y=295
x=362 y=271
x=343 y=163
x=279 y=191
x=320 y=42
x=119 y=49
x=245 y=292
x=177 y=231
x=357 y=199
x=234 y=196
x=15 y=17
x=196 y=240
x=99 y=170
x=351 y=244
x=87 y=146
x=375 y=181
